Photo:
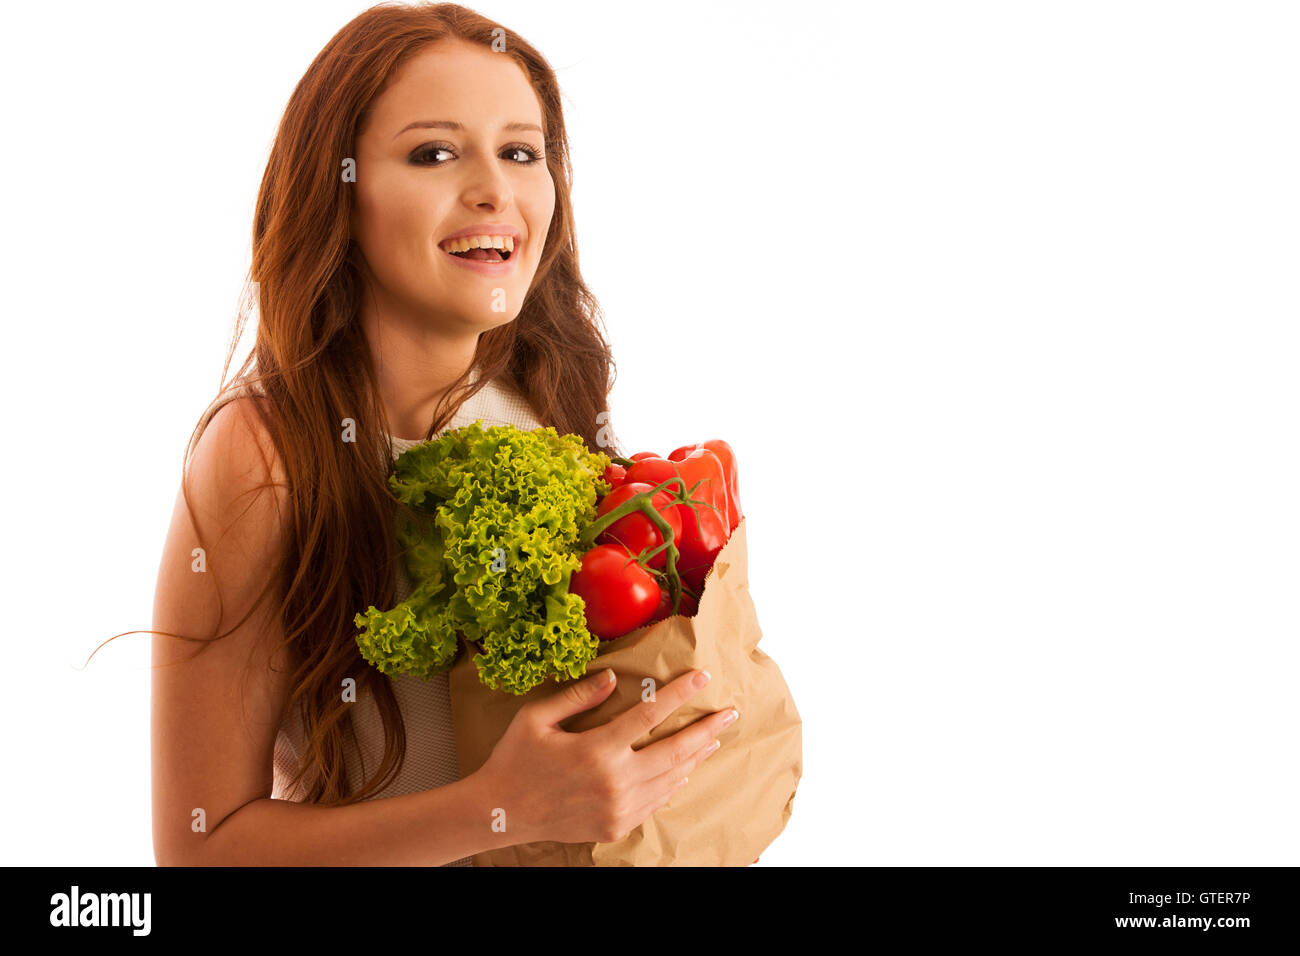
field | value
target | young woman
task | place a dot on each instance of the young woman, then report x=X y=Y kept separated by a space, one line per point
x=417 y=134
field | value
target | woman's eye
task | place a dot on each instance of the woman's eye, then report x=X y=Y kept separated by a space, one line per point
x=533 y=155
x=427 y=155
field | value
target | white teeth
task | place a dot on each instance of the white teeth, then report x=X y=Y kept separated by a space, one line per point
x=480 y=242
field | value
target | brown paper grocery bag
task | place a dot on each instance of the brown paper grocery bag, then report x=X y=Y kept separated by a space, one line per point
x=737 y=800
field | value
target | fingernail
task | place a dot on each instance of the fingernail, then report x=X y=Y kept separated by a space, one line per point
x=732 y=716
x=702 y=678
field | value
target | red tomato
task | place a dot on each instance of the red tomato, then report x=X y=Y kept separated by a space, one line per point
x=615 y=475
x=652 y=471
x=705 y=531
x=702 y=537
x=620 y=594
x=636 y=532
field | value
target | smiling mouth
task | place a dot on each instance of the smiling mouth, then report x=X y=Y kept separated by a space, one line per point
x=484 y=255
x=480 y=250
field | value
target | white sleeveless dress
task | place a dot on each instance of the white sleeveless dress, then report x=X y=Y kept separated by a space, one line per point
x=430 y=759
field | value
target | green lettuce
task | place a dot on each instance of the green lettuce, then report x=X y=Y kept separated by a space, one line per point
x=490 y=551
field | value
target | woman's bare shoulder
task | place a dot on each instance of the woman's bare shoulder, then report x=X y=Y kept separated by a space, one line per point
x=236 y=444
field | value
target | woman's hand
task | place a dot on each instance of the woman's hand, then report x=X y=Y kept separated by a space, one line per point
x=592 y=787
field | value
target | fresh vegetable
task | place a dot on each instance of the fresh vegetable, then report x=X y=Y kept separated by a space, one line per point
x=620 y=594
x=651 y=469
x=535 y=549
x=491 y=545
x=703 y=539
x=648 y=504
x=728 y=459
x=635 y=531
x=704 y=532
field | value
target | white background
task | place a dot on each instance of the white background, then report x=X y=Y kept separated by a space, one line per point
x=996 y=302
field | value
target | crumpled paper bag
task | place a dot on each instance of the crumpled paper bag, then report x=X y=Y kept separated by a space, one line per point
x=738 y=800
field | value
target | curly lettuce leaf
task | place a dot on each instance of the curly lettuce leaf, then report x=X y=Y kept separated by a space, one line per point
x=416 y=637
x=493 y=558
x=421 y=550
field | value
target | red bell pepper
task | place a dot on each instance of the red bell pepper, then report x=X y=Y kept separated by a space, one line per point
x=728 y=459
x=704 y=529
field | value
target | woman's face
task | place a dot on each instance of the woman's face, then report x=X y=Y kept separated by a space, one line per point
x=417 y=186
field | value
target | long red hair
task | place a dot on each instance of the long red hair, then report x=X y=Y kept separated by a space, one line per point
x=314 y=368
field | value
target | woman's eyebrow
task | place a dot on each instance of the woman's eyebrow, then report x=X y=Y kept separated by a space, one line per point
x=451 y=124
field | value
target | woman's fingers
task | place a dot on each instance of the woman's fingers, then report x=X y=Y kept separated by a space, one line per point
x=659 y=790
x=573 y=697
x=638 y=720
x=663 y=755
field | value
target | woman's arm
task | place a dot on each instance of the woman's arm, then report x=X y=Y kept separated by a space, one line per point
x=214 y=717
x=428 y=828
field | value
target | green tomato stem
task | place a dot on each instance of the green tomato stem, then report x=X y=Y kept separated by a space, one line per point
x=644 y=502
x=594 y=530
